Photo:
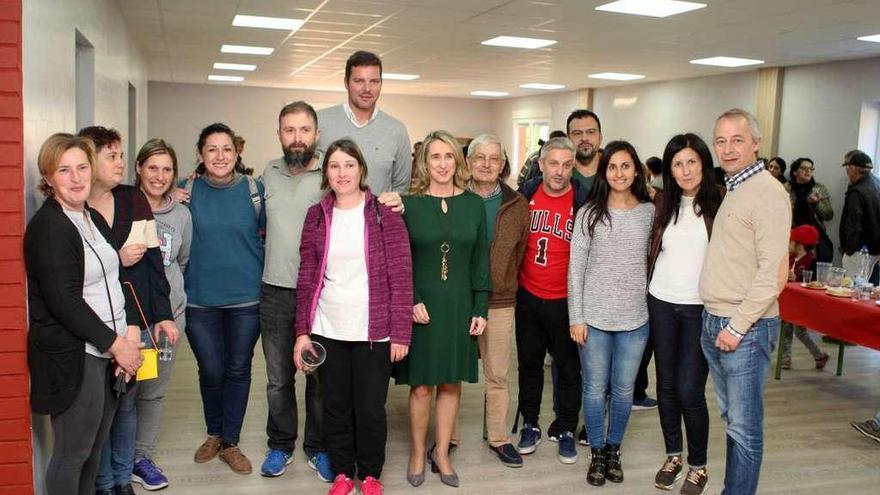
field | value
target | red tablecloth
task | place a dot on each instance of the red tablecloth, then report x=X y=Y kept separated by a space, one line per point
x=841 y=318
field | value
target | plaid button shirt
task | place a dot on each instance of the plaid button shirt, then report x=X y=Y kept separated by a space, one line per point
x=743 y=175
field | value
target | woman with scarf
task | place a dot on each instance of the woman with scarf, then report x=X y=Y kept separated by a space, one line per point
x=811 y=204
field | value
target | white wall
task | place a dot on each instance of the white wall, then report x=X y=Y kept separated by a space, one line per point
x=821 y=116
x=648 y=114
x=553 y=107
x=179 y=111
x=49 y=97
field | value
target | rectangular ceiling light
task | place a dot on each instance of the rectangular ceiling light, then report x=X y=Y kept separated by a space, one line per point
x=244 y=67
x=247 y=50
x=214 y=77
x=254 y=21
x=399 y=77
x=727 y=61
x=616 y=76
x=650 y=8
x=516 y=42
x=489 y=93
x=874 y=37
x=542 y=86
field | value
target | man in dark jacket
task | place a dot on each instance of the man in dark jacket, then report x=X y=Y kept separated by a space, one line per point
x=860 y=221
x=542 y=299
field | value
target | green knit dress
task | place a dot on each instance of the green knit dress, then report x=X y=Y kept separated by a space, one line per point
x=442 y=351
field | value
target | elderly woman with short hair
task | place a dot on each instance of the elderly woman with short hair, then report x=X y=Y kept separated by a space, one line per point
x=507 y=228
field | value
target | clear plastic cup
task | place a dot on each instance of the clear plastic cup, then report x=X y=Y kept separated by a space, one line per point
x=806 y=276
x=166 y=350
x=822 y=269
x=312 y=356
x=865 y=291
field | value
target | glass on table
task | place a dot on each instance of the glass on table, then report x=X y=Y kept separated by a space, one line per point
x=865 y=291
x=806 y=276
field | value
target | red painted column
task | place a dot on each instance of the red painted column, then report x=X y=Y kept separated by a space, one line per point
x=16 y=456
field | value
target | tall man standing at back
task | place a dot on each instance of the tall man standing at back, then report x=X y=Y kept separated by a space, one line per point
x=744 y=271
x=382 y=139
x=293 y=185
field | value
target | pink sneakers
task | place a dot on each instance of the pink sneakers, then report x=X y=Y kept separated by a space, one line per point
x=342 y=485
x=371 y=486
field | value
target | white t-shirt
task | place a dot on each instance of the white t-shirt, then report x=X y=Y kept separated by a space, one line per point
x=344 y=304
x=676 y=276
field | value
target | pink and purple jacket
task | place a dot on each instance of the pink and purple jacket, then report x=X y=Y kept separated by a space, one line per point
x=389 y=269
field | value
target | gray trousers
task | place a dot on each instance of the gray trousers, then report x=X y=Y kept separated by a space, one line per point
x=803 y=335
x=150 y=397
x=79 y=432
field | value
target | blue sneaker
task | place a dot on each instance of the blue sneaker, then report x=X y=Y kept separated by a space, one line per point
x=148 y=475
x=529 y=439
x=320 y=462
x=567 y=452
x=276 y=463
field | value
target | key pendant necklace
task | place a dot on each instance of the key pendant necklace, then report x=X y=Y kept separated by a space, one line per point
x=444 y=265
x=444 y=247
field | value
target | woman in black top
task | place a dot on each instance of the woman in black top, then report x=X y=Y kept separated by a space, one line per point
x=133 y=235
x=77 y=316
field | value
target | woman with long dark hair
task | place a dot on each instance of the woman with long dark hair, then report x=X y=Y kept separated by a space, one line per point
x=685 y=210
x=606 y=300
x=811 y=204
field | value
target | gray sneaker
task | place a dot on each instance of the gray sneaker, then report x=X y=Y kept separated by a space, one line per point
x=669 y=473
x=695 y=483
x=869 y=428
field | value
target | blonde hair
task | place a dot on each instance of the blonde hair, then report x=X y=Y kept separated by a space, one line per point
x=422 y=179
x=51 y=152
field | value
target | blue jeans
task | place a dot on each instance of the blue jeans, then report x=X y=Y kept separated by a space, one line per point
x=223 y=341
x=117 y=455
x=738 y=378
x=610 y=360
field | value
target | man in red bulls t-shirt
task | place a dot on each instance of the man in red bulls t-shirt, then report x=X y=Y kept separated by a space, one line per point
x=541 y=305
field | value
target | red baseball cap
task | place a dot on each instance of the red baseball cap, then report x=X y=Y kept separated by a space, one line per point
x=806 y=235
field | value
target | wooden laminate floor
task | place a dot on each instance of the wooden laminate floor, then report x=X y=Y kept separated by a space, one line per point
x=809 y=446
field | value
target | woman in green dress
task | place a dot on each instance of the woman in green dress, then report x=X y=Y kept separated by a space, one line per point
x=450 y=255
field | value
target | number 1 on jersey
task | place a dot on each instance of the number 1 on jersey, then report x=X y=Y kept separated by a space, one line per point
x=541 y=257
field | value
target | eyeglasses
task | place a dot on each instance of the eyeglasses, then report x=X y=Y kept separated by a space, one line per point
x=807 y=168
x=480 y=159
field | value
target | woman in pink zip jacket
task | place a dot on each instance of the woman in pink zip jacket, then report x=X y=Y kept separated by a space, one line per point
x=354 y=296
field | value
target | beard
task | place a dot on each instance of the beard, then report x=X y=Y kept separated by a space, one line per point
x=585 y=156
x=299 y=158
